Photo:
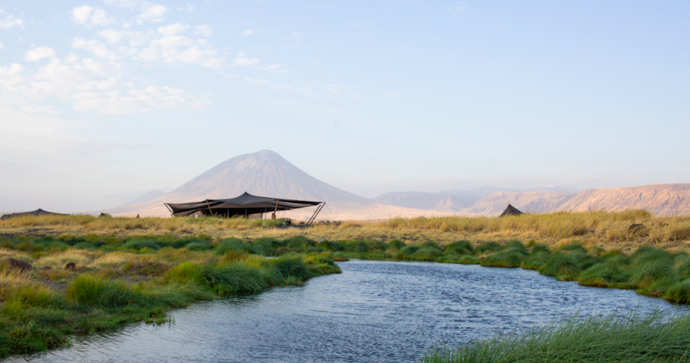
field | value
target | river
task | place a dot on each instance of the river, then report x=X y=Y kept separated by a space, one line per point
x=372 y=312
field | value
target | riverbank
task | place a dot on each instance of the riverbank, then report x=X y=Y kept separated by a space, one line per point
x=113 y=281
x=51 y=288
x=631 y=338
x=611 y=230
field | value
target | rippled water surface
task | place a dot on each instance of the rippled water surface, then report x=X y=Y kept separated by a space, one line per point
x=372 y=312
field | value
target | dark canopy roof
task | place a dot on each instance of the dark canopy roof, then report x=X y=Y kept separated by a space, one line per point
x=510 y=211
x=37 y=212
x=245 y=204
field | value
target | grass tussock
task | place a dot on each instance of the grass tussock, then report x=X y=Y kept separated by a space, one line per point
x=627 y=339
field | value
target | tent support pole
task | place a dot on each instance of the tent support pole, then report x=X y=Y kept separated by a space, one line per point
x=171 y=212
x=316 y=213
x=210 y=212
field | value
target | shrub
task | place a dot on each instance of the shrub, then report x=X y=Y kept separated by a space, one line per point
x=459 y=248
x=426 y=254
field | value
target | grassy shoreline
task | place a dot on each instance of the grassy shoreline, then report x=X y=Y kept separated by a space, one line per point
x=129 y=269
x=115 y=282
x=631 y=338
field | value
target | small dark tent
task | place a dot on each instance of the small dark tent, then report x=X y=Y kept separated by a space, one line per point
x=37 y=212
x=510 y=211
x=244 y=205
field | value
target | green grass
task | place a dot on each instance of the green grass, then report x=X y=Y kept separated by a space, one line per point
x=510 y=258
x=127 y=280
x=628 y=339
x=138 y=278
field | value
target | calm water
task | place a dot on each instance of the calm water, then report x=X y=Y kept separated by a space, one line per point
x=372 y=312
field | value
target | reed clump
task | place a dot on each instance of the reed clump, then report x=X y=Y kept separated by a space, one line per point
x=631 y=338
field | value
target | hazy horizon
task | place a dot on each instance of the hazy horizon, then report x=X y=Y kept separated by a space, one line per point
x=111 y=98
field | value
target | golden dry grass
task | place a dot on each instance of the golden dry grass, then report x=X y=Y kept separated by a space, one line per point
x=627 y=229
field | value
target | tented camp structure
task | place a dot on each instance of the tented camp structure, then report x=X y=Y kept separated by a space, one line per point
x=245 y=205
x=510 y=211
x=37 y=212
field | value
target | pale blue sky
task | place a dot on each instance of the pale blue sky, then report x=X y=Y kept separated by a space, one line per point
x=123 y=96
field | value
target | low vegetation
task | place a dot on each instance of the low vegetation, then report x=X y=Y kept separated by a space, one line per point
x=90 y=274
x=631 y=338
x=625 y=230
x=52 y=287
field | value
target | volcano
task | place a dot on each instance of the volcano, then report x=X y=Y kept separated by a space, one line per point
x=265 y=173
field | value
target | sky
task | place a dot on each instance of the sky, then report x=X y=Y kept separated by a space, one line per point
x=106 y=99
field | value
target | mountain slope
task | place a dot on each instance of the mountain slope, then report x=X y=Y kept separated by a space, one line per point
x=431 y=201
x=529 y=202
x=266 y=173
x=659 y=199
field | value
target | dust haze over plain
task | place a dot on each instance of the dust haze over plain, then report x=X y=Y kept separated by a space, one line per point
x=106 y=99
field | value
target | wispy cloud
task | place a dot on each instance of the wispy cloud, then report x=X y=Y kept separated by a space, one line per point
x=88 y=15
x=148 y=12
x=9 y=21
x=243 y=60
x=248 y=32
x=89 y=84
x=37 y=54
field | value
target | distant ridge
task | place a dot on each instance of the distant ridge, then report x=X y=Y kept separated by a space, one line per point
x=265 y=173
x=659 y=199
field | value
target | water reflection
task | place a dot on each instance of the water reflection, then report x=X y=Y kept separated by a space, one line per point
x=372 y=312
